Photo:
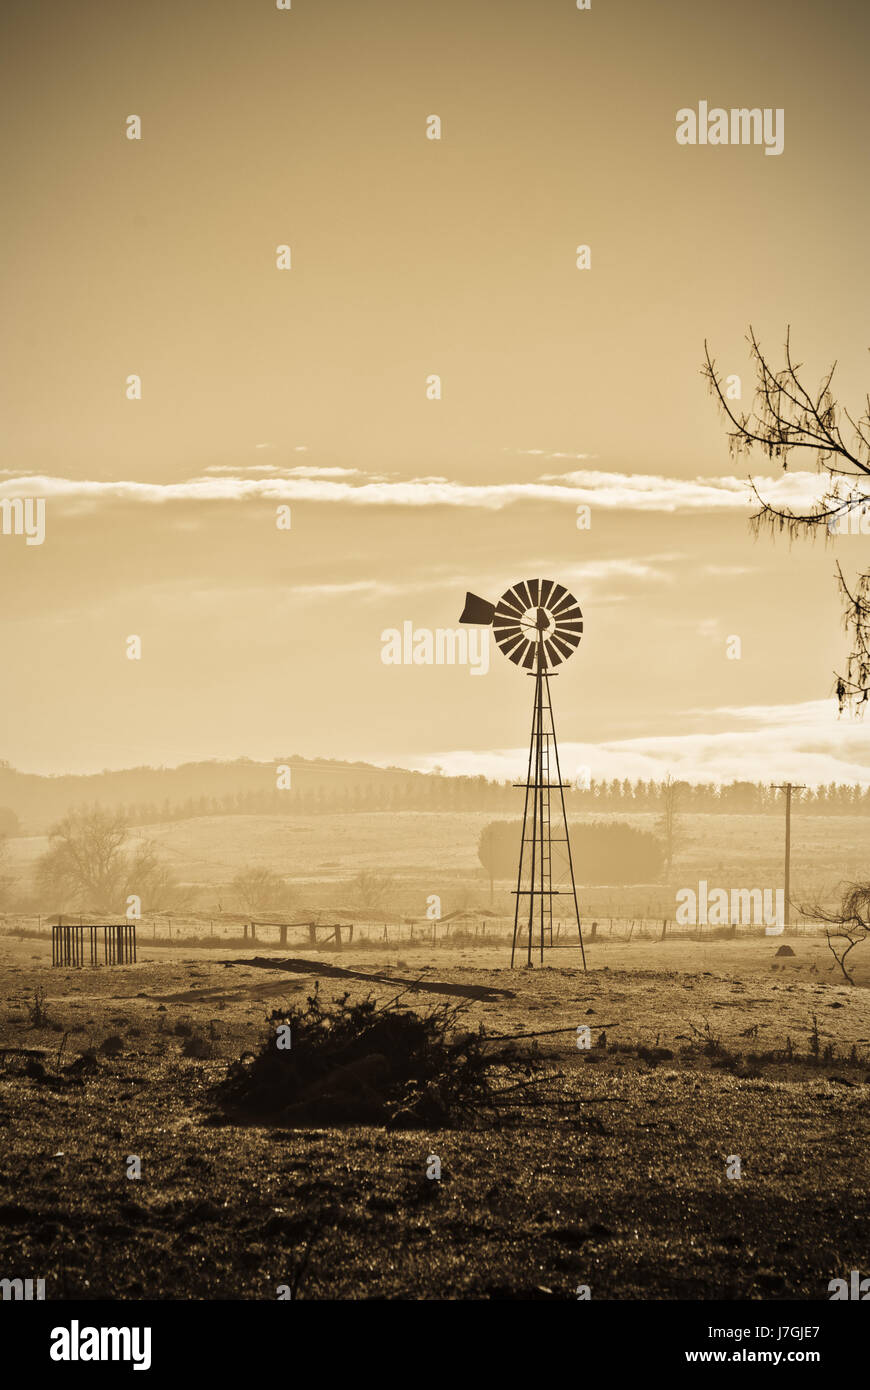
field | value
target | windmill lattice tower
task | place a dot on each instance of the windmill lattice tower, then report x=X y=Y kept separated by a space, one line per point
x=538 y=624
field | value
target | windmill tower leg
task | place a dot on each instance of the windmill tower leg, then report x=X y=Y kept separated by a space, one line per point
x=544 y=873
x=565 y=823
x=533 y=786
x=538 y=818
x=536 y=848
x=536 y=764
x=523 y=844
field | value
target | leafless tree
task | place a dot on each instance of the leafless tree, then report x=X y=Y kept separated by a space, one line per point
x=787 y=415
x=847 y=925
x=465 y=899
x=84 y=865
x=668 y=823
x=88 y=866
x=6 y=881
x=369 y=891
x=148 y=876
x=261 y=890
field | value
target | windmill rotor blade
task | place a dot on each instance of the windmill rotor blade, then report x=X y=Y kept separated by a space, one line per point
x=566 y=602
x=530 y=656
x=509 y=640
x=552 y=653
x=559 y=592
x=519 y=651
x=522 y=592
x=534 y=586
x=514 y=649
x=516 y=653
x=510 y=604
x=547 y=586
x=562 y=647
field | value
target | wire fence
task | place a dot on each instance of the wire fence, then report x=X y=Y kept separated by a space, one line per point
x=322 y=932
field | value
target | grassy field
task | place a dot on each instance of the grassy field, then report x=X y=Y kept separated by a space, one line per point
x=612 y=1175
x=427 y=853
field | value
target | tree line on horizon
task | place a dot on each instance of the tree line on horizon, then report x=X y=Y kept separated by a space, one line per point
x=375 y=789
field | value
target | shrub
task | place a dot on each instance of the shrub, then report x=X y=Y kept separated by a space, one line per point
x=604 y=852
x=366 y=1063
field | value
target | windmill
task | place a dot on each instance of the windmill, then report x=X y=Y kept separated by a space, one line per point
x=537 y=624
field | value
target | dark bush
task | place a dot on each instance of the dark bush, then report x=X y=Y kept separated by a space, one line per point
x=367 y=1063
x=604 y=852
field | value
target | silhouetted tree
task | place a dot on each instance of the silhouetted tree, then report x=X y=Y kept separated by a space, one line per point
x=84 y=865
x=668 y=824
x=88 y=866
x=261 y=890
x=149 y=877
x=369 y=891
x=603 y=852
x=498 y=851
x=848 y=925
x=785 y=416
x=6 y=880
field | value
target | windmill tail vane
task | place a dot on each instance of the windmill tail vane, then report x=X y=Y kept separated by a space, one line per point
x=538 y=624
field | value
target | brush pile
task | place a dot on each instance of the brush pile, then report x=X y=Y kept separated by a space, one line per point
x=365 y=1063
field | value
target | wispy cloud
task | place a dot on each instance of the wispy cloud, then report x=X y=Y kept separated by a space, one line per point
x=636 y=492
x=300 y=470
x=364 y=588
x=819 y=715
x=590 y=571
x=436 y=581
x=551 y=454
x=803 y=750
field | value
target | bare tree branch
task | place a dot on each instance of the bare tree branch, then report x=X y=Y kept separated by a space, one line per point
x=786 y=415
x=851 y=923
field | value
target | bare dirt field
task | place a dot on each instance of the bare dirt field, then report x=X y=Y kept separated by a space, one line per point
x=611 y=1173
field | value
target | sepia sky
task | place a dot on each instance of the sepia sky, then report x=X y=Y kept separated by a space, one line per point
x=307 y=387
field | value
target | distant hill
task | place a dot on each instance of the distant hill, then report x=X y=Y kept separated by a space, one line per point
x=149 y=795
x=145 y=795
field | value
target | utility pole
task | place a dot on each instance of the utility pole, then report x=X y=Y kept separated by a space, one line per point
x=788 y=788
